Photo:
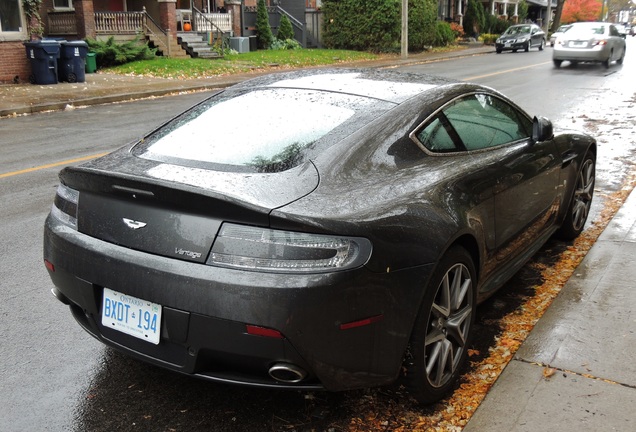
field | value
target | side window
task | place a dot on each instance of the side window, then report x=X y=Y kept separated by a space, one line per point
x=475 y=122
x=482 y=121
x=435 y=137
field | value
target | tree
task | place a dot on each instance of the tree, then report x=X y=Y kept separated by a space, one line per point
x=263 y=29
x=581 y=10
x=557 y=16
x=422 y=24
x=474 y=18
x=285 y=29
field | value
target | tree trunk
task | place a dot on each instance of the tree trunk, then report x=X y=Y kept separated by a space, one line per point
x=557 y=16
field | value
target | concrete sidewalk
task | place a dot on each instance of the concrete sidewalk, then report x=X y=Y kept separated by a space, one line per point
x=588 y=335
x=102 y=88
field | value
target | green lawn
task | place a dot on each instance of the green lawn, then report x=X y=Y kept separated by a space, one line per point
x=238 y=63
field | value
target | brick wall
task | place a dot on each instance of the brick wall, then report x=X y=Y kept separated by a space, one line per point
x=13 y=62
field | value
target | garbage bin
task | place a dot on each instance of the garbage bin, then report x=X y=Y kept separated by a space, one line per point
x=91 y=62
x=72 y=62
x=43 y=55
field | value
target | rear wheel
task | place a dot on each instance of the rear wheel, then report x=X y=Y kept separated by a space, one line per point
x=557 y=63
x=442 y=332
x=579 y=209
x=620 y=60
x=607 y=62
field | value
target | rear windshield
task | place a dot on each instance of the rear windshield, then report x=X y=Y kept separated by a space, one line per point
x=265 y=130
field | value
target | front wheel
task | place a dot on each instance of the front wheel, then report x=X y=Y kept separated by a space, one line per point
x=527 y=47
x=581 y=201
x=542 y=45
x=443 y=328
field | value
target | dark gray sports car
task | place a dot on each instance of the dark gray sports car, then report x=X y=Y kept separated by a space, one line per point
x=315 y=230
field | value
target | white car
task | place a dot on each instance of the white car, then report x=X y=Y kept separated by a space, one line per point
x=590 y=42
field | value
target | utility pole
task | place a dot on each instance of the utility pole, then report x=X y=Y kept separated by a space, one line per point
x=405 y=29
x=548 y=15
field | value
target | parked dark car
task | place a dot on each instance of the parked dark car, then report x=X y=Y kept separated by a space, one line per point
x=590 y=42
x=334 y=229
x=521 y=36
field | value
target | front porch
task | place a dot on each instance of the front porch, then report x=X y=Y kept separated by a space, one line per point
x=126 y=25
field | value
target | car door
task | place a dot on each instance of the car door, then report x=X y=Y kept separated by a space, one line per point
x=527 y=173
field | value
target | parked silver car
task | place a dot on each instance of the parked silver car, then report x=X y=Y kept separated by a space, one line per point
x=590 y=42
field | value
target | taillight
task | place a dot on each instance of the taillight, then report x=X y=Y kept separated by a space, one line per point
x=263 y=249
x=65 y=205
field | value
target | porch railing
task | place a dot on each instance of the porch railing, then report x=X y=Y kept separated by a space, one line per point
x=208 y=22
x=114 y=23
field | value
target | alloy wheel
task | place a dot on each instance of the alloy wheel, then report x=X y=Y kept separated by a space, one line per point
x=449 y=325
x=583 y=194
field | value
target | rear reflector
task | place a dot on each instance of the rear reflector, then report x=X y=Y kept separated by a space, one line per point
x=262 y=331
x=360 y=323
x=49 y=265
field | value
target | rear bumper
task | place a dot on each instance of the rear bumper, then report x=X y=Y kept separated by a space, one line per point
x=206 y=310
x=597 y=54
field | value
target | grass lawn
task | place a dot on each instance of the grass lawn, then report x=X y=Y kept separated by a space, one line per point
x=238 y=63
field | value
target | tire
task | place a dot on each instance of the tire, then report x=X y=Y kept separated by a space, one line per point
x=581 y=200
x=557 y=63
x=620 y=60
x=527 y=47
x=498 y=51
x=72 y=77
x=514 y=50
x=607 y=62
x=443 y=328
x=542 y=45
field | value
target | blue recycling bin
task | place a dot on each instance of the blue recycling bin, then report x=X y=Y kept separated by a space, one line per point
x=72 y=62
x=43 y=55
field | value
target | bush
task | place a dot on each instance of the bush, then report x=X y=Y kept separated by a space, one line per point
x=375 y=25
x=263 y=29
x=285 y=30
x=489 y=38
x=110 y=53
x=363 y=25
x=495 y=24
x=474 y=18
x=444 y=34
x=288 y=44
x=422 y=24
x=457 y=29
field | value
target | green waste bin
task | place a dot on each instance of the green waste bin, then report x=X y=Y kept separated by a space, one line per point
x=91 y=62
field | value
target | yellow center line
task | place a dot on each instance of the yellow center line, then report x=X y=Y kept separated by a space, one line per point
x=52 y=165
x=504 y=71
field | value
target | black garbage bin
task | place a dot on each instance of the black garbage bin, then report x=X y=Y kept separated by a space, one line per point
x=72 y=62
x=43 y=55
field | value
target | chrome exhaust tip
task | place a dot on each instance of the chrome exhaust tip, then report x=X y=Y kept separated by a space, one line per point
x=61 y=297
x=287 y=373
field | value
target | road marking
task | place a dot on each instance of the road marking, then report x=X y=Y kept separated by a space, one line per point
x=52 y=165
x=504 y=71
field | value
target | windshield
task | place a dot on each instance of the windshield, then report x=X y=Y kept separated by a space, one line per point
x=587 y=29
x=518 y=30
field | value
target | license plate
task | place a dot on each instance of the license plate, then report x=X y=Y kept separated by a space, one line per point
x=507 y=44
x=579 y=44
x=131 y=315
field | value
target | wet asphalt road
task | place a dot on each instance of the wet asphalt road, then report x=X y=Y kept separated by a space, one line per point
x=55 y=377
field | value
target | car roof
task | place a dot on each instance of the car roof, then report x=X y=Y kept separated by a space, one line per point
x=391 y=86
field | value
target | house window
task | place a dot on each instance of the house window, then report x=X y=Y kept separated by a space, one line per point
x=63 y=4
x=10 y=20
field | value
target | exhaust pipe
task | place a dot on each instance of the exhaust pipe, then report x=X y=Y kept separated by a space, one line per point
x=287 y=373
x=61 y=297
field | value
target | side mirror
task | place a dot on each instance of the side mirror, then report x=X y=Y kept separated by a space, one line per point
x=541 y=129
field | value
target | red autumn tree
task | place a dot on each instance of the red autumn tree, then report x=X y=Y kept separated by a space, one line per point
x=581 y=10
